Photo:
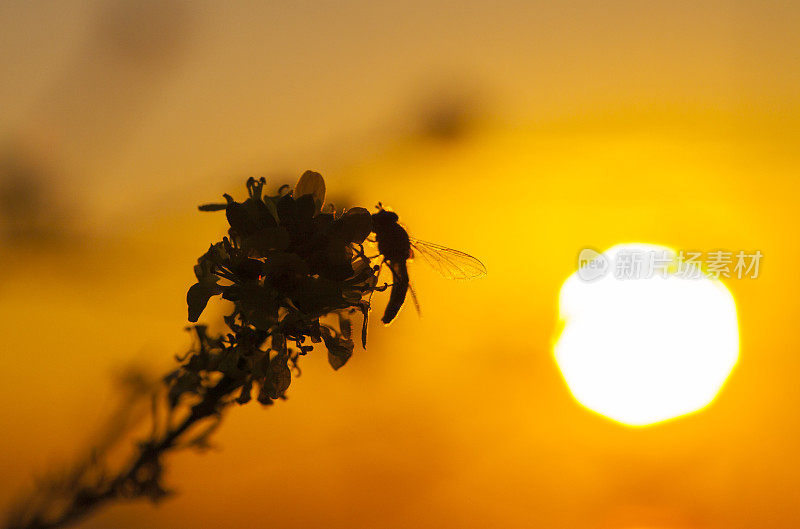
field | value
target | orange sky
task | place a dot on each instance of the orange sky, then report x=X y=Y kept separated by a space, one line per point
x=590 y=124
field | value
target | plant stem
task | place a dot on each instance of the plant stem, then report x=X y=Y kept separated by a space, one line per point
x=128 y=483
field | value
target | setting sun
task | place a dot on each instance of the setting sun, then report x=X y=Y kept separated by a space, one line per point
x=642 y=345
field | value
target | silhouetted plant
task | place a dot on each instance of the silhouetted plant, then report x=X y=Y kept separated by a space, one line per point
x=296 y=275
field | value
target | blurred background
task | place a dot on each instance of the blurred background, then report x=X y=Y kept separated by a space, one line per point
x=517 y=131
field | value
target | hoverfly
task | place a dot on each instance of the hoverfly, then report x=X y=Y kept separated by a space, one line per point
x=397 y=247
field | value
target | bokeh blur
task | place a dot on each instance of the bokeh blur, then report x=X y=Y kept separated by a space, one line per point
x=518 y=131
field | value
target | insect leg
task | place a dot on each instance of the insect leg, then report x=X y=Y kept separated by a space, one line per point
x=414 y=299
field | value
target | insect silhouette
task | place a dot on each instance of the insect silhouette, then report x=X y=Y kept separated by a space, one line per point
x=397 y=247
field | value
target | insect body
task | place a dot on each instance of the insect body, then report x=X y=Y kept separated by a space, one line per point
x=396 y=247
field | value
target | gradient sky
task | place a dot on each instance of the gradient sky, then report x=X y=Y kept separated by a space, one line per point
x=587 y=124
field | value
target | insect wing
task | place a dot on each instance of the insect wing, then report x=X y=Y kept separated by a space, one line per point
x=450 y=263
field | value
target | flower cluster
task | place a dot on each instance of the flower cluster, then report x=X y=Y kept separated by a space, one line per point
x=296 y=275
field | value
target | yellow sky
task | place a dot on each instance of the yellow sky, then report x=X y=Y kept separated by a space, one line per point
x=593 y=124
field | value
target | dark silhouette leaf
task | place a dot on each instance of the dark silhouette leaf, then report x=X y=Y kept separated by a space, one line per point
x=197 y=297
x=212 y=207
x=354 y=225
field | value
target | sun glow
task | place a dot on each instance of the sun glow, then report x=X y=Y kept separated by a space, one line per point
x=640 y=350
